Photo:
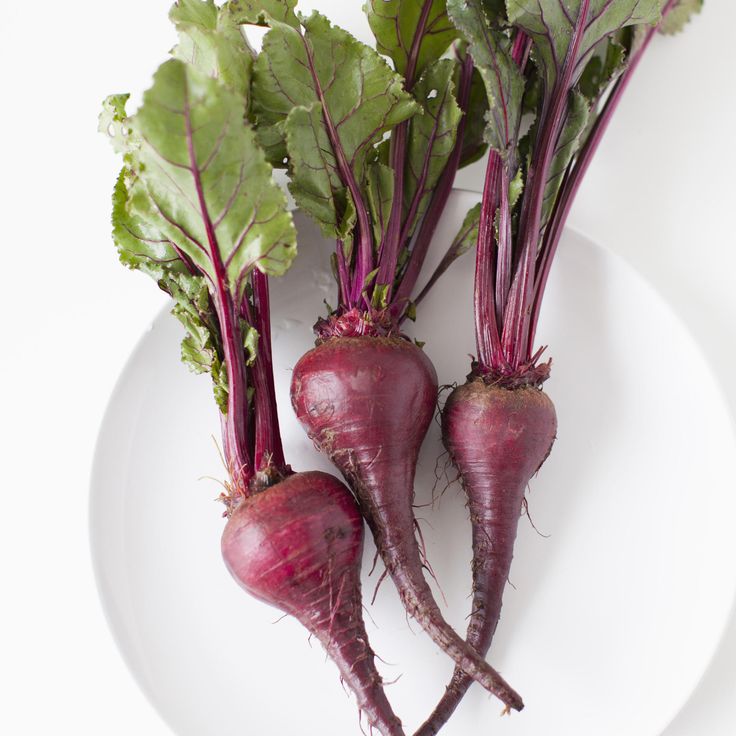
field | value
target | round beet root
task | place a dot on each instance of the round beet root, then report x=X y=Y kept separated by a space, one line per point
x=367 y=402
x=298 y=546
x=498 y=439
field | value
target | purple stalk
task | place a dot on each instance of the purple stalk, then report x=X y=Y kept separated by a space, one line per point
x=486 y=298
x=519 y=53
x=574 y=176
x=343 y=276
x=422 y=181
x=486 y=327
x=447 y=260
x=269 y=451
x=235 y=428
x=505 y=246
x=517 y=319
x=438 y=200
x=389 y=255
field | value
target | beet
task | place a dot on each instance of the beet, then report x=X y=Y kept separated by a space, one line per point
x=367 y=402
x=498 y=439
x=298 y=546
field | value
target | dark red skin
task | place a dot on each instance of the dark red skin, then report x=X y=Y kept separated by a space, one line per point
x=498 y=438
x=367 y=402
x=298 y=547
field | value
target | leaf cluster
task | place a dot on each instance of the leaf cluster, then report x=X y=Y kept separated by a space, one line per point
x=195 y=206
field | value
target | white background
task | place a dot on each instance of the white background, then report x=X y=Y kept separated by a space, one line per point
x=71 y=314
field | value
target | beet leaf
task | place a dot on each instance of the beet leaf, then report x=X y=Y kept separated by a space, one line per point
x=196 y=208
x=371 y=151
x=394 y=24
x=431 y=139
x=553 y=72
x=336 y=98
x=211 y=41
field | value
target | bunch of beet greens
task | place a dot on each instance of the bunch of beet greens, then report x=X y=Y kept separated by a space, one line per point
x=371 y=151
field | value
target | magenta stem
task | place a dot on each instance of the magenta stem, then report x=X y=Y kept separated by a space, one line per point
x=389 y=254
x=517 y=318
x=489 y=303
x=574 y=177
x=486 y=327
x=438 y=201
x=269 y=449
x=235 y=428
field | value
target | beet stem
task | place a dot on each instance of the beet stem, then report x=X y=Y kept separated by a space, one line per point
x=576 y=174
x=425 y=231
x=269 y=449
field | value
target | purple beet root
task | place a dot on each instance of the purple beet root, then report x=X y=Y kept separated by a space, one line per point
x=498 y=439
x=367 y=402
x=298 y=546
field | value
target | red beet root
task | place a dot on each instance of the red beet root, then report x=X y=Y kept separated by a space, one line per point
x=498 y=438
x=367 y=403
x=298 y=546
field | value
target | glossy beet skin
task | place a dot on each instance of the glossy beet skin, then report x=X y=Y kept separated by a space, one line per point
x=367 y=403
x=498 y=438
x=298 y=546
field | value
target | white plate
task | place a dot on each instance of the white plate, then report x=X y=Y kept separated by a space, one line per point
x=612 y=617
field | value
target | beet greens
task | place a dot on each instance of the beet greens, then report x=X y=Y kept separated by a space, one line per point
x=196 y=208
x=554 y=72
x=371 y=152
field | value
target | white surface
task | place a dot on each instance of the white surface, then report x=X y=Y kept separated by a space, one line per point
x=597 y=611
x=72 y=315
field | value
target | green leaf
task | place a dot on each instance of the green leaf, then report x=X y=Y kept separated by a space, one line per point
x=474 y=141
x=431 y=137
x=197 y=350
x=141 y=246
x=680 y=16
x=212 y=42
x=113 y=123
x=250 y=341
x=605 y=66
x=209 y=187
x=607 y=62
x=395 y=24
x=379 y=300
x=516 y=188
x=370 y=278
x=556 y=30
x=380 y=192
x=139 y=241
x=567 y=145
x=491 y=52
x=194 y=310
x=315 y=182
x=272 y=139
x=496 y=11
x=258 y=12
x=340 y=97
x=467 y=235
x=200 y=349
